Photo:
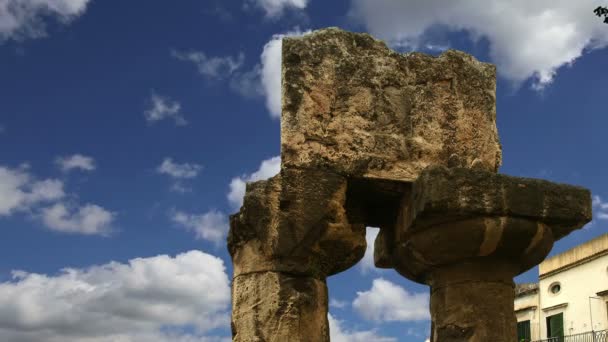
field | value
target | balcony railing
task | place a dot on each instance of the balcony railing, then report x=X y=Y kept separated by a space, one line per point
x=596 y=336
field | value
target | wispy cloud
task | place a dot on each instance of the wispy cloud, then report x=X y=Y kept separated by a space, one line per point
x=176 y=170
x=75 y=162
x=20 y=19
x=161 y=108
x=179 y=173
x=214 y=67
x=276 y=8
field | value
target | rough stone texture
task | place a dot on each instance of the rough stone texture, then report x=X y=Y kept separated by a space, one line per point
x=473 y=301
x=278 y=307
x=296 y=223
x=352 y=105
x=466 y=233
x=290 y=234
x=451 y=215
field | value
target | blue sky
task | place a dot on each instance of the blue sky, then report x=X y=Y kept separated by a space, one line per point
x=129 y=128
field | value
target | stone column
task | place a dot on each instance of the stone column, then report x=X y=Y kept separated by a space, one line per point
x=290 y=234
x=466 y=233
x=276 y=306
x=473 y=301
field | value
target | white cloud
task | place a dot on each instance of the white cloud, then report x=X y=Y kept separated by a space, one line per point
x=367 y=263
x=89 y=219
x=211 y=226
x=179 y=173
x=147 y=299
x=25 y=18
x=271 y=71
x=76 y=161
x=267 y=169
x=176 y=170
x=387 y=301
x=339 y=304
x=160 y=108
x=275 y=8
x=214 y=67
x=527 y=39
x=19 y=191
x=338 y=333
x=600 y=208
x=264 y=79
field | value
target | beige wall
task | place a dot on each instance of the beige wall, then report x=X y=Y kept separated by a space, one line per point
x=532 y=315
x=577 y=285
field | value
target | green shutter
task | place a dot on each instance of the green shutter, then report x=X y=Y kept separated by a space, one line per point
x=523 y=331
x=555 y=325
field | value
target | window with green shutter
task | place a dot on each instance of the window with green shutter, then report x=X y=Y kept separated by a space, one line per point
x=555 y=326
x=523 y=331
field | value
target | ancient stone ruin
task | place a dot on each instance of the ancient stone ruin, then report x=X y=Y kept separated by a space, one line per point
x=407 y=143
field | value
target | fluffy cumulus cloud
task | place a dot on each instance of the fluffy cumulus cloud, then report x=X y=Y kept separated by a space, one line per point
x=162 y=108
x=270 y=71
x=527 y=39
x=20 y=191
x=25 y=18
x=275 y=8
x=75 y=162
x=89 y=219
x=211 y=226
x=267 y=169
x=46 y=200
x=367 y=263
x=387 y=301
x=339 y=333
x=214 y=67
x=158 y=299
x=600 y=208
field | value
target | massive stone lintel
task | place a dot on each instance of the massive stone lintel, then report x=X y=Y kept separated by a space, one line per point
x=353 y=106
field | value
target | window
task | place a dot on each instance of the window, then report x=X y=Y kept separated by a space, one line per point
x=523 y=331
x=555 y=327
x=555 y=288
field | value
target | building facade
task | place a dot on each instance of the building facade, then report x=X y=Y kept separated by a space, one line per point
x=571 y=296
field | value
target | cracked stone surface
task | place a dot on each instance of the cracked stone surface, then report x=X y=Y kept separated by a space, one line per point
x=352 y=105
x=466 y=233
x=291 y=233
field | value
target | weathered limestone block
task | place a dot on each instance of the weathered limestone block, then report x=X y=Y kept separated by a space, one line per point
x=291 y=233
x=296 y=223
x=352 y=105
x=467 y=233
x=276 y=306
